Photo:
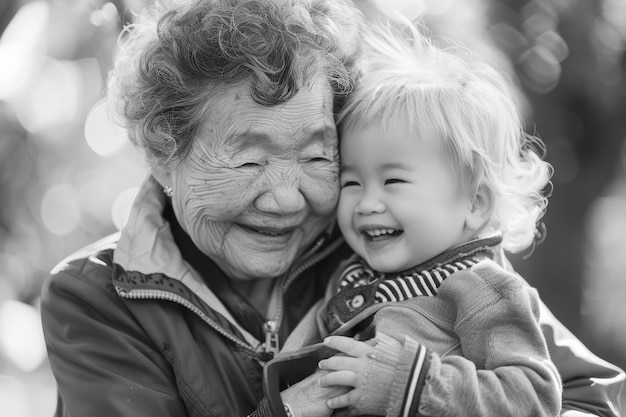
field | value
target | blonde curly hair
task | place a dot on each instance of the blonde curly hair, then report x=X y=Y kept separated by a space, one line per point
x=465 y=105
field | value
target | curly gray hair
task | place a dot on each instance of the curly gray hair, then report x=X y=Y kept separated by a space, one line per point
x=177 y=55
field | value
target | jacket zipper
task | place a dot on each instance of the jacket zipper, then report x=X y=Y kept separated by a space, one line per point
x=271 y=345
x=153 y=294
x=271 y=327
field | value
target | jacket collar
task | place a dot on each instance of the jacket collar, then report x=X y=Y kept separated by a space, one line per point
x=146 y=246
x=478 y=248
x=359 y=272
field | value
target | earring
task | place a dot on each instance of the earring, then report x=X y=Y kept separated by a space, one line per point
x=168 y=190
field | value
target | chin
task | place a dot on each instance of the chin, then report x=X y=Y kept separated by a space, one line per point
x=387 y=270
x=379 y=266
x=386 y=267
x=269 y=270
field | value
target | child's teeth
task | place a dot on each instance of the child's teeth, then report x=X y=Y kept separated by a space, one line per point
x=379 y=232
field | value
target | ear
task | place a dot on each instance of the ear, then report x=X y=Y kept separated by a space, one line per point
x=481 y=208
x=163 y=177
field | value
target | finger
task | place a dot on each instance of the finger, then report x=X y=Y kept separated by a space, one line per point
x=370 y=342
x=348 y=345
x=346 y=400
x=341 y=363
x=343 y=378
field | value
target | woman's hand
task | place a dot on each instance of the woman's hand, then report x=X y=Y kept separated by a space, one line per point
x=308 y=398
x=347 y=370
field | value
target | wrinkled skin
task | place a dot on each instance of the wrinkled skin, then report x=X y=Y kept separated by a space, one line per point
x=308 y=398
x=260 y=183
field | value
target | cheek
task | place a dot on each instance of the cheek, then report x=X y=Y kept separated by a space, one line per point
x=430 y=222
x=321 y=188
x=217 y=195
x=207 y=189
x=345 y=210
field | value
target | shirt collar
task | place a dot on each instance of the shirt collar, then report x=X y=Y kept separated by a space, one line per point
x=425 y=278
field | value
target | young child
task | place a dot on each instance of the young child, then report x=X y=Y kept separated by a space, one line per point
x=437 y=177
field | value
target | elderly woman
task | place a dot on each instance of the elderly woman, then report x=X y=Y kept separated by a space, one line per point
x=232 y=238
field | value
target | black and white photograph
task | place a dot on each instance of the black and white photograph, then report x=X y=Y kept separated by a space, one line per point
x=312 y=208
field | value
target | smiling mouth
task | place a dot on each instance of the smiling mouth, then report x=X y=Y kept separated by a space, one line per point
x=268 y=232
x=381 y=234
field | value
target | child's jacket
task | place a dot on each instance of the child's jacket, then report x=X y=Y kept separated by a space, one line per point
x=464 y=337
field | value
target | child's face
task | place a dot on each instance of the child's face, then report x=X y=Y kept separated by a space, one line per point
x=400 y=203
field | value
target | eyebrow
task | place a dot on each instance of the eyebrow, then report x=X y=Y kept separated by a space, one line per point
x=242 y=136
x=390 y=165
x=396 y=165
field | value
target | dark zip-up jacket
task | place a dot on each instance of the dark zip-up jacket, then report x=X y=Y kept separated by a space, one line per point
x=132 y=330
x=128 y=344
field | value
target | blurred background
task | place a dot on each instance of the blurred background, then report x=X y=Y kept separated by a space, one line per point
x=68 y=175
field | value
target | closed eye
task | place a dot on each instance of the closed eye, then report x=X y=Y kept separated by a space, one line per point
x=350 y=184
x=318 y=159
x=394 y=181
x=250 y=165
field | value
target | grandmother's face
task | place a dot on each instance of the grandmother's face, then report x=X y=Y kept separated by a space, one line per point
x=260 y=182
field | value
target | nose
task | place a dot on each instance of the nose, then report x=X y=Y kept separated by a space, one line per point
x=282 y=199
x=370 y=203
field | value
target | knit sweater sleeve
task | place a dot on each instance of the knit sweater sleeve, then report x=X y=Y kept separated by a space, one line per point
x=394 y=377
x=505 y=369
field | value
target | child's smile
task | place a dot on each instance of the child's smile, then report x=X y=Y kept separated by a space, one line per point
x=378 y=234
x=400 y=202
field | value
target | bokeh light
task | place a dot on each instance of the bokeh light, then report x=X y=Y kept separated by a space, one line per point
x=614 y=12
x=602 y=306
x=438 y=7
x=53 y=97
x=13 y=276
x=58 y=182
x=21 y=336
x=21 y=47
x=538 y=23
x=103 y=136
x=414 y=9
x=107 y=15
x=540 y=68
x=553 y=42
x=60 y=209
x=607 y=224
x=15 y=397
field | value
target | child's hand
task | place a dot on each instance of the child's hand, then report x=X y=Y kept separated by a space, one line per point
x=377 y=370
x=347 y=370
